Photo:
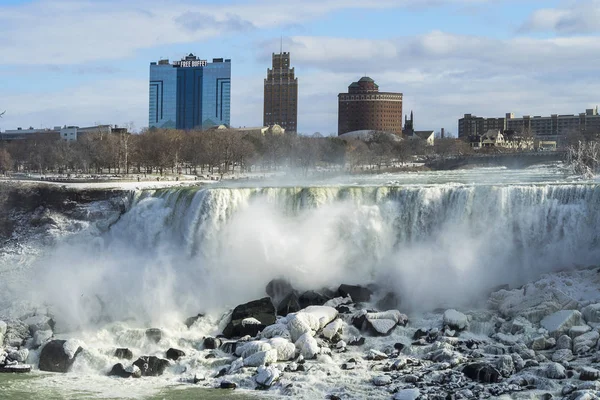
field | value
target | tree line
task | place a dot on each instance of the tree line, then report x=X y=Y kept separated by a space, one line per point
x=157 y=151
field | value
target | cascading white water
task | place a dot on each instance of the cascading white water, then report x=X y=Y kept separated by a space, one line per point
x=180 y=251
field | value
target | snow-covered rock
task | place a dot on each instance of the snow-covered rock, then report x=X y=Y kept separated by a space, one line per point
x=533 y=302
x=578 y=330
x=591 y=314
x=250 y=321
x=376 y=355
x=555 y=371
x=323 y=314
x=3 y=327
x=562 y=355
x=261 y=358
x=456 y=320
x=307 y=346
x=72 y=347
x=19 y=355
x=382 y=380
x=505 y=365
x=560 y=322
x=41 y=337
x=564 y=342
x=250 y=348
x=276 y=330
x=543 y=343
x=285 y=349
x=236 y=365
x=589 y=374
x=39 y=323
x=310 y=320
x=586 y=342
x=266 y=376
x=332 y=329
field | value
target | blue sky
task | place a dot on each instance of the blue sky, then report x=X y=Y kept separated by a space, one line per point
x=80 y=62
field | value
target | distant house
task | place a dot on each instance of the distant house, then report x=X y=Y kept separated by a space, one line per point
x=492 y=138
x=272 y=129
x=427 y=136
x=411 y=133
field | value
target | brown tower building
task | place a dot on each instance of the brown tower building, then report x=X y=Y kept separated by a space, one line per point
x=281 y=94
x=364 y=107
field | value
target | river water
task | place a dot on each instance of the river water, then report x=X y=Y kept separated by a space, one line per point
x=436 y=239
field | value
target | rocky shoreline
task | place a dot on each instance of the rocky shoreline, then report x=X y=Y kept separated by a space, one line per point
x=537 y=341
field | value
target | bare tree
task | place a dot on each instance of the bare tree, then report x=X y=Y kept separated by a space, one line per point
x=6 y=162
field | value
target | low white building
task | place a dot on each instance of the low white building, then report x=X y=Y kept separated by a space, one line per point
x=427 y=136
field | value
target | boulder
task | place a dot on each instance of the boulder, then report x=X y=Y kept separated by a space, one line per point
x=122 y=372
x=505 y=365
x=561 y=356
x=591 y=314
x=379 y=324
x=39 y=323
x=555 y=371
x=357 y=341
x=58 y=356
x=376 y=355
x=227 y=385
x=174 y=354
x=577 y=330
x=154 y=335
x=310 y=320
x=382 y=380
x=41 y=337
x=228 y=347
x=192 y=320
x=260 y=310
x=211 y=343
x=312 y=298
x=285 y=349
x=482 y=372
x=564 y=342
x=359 y=294
x=123 y=353
x=16 y=333
x=19 y=356
x=559 y=323
x=586 y=342
x=289 y=304
x=261 y=358
x=278 y=289
x=3 y=327
x=307 y=346
x=455 y=320
x=332 y=329
x=542 y=343
x=266 y=376
x=151 y=365
x=589 y=374
x=276 y=330
x=247 y=349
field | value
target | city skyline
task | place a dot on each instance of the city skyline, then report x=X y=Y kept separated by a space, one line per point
x=448 y=57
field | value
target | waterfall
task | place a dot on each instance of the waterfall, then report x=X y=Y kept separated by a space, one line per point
x=197 y=249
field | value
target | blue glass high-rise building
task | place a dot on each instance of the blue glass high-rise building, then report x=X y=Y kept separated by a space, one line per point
x=190 y=94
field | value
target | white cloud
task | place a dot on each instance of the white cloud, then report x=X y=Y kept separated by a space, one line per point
x=80 y=31
x=575 y=17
